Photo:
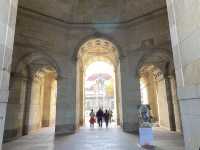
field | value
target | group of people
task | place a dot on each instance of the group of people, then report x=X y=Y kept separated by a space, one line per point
x=100 y=116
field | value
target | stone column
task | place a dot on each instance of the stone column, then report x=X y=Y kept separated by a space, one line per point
x=48 y=89
x=81 y=86
x=27 y=105
x=79 y=94
x=36 y=99
x=184 y=20
x=66 y=101
x=162 y=100
x=176 y=103
x=131 y=98
x=15 y=107
x=170 y=103
x=7 y=29
x=117 y=92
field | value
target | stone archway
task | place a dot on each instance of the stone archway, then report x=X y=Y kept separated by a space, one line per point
x=98 y=35
x=32 y=98
x=93 y=50
x=157 y=77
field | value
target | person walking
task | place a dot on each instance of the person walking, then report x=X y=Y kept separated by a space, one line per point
x=92 y=118
x=99 y=116
x=106 y=117
x=110 y=115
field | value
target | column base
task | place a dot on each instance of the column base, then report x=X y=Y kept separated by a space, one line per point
x=131 y=127
x=10 y=135
x=45 y=123
x=65 y=129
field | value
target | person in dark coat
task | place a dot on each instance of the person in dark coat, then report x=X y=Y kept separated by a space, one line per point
x=106 y=117
x=100 y=116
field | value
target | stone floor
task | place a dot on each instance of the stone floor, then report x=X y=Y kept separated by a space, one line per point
x=93 y=139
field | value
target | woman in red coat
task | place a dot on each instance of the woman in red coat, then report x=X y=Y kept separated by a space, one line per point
x=92 y=118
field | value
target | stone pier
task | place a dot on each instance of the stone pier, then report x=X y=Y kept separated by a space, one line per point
x=184 y=18
x=7 y=31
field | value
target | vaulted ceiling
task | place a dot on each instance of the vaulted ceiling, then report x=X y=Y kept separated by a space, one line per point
x=98 y=49
x=93 y=11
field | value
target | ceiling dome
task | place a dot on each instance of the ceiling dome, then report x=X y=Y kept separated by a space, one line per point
x=93 y=11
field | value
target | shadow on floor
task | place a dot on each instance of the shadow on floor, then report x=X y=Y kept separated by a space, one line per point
x=94 y=139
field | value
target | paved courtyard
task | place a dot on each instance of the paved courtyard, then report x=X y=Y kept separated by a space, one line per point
x=93 y=139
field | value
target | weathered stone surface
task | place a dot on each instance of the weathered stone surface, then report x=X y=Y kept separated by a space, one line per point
x=53 y=38
x=184 y=25
x=7 y=29
x=50 y=33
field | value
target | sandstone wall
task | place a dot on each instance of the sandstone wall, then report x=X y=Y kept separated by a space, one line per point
x=184 y=26
x=61 y=41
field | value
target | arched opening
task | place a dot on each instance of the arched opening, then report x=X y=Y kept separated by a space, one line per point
x=98 y=84
x=154 y=93
x=158 y=90
x=42 y=105
x=99 y=89
x=32 y=100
